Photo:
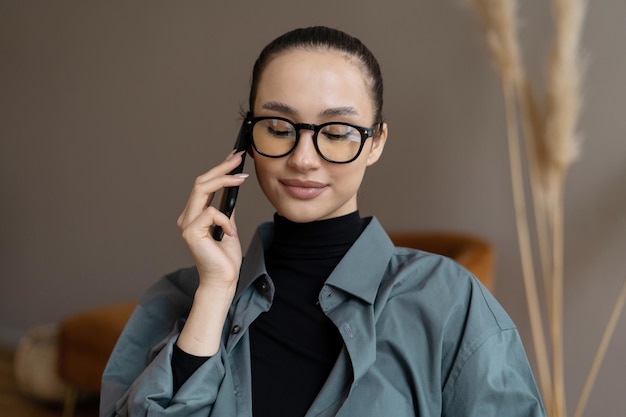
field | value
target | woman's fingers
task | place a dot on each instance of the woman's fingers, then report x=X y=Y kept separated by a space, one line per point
x=230 y=228
x=218 y=263
x=202 y=196
x=219 y=260
x=197 y=231
x=207 y=184
x=232 y=160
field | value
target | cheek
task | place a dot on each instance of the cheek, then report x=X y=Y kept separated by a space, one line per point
x=261 y=170
x=265 y=172
x=347 y=181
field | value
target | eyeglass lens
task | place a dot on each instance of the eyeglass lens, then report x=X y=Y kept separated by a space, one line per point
x=336 y=142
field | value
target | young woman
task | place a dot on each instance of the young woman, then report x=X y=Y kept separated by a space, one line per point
x=324 y=316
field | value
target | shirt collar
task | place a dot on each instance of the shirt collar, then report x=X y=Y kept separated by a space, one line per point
x=358 y=273
x=361 y=269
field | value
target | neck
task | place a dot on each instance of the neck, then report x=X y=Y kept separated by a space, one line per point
x=322 y=238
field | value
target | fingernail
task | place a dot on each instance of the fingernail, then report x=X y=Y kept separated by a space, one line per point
x=243 y=175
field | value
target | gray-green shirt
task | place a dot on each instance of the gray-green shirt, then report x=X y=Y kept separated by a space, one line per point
x=422 y=338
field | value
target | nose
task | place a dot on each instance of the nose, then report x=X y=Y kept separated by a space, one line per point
x=304 y=157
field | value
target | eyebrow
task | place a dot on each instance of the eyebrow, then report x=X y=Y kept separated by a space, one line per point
x=332 y=112
x=280 y=107
x=339 y=111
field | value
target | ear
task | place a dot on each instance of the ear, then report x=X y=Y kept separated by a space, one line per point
x=378 y=144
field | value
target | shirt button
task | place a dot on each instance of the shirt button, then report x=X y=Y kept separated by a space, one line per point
x=235 y=329
x=263 y=286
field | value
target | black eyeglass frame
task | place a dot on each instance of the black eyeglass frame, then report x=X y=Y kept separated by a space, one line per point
x=365 y=132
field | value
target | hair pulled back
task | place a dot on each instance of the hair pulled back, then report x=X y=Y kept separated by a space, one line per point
x=321 y=37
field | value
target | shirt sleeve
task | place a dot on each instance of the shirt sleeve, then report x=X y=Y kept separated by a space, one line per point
x=138 y=379
x=493 y=378
x=152 y=393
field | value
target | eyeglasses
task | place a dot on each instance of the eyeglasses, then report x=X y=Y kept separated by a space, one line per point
x=336 y=142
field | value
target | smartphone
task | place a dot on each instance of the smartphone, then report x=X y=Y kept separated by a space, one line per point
x=229 y=194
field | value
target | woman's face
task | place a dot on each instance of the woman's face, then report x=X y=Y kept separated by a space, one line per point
x=314 y=86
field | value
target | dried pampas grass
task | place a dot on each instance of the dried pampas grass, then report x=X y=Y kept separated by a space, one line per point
x=549 y=128
x=498 y=19
x=563 y=88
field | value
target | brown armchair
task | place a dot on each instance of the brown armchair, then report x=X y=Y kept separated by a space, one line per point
x=472 y=252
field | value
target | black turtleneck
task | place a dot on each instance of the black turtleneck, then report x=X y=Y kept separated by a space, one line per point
x=294 y=345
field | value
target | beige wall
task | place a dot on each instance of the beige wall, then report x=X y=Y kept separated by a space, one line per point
x=108 y=110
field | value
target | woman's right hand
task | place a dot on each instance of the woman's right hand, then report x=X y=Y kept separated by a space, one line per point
x=218 y=262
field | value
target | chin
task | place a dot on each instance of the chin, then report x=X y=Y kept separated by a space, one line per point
x=301 y=213
x=307 y=211
x=299 y=217
x=309 y=214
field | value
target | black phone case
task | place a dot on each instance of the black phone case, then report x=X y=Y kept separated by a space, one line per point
x=229 y=194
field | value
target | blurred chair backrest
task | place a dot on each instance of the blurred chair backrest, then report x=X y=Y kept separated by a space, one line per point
x=472 y=252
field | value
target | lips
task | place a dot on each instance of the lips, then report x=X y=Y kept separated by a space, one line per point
x=303 y=190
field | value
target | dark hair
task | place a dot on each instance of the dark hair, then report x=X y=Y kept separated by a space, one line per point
x=323 y=37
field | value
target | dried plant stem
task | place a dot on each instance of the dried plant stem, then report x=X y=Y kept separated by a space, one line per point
x=551 y=146
x=556 y=314
x=602 y=348
x=563 y=104
x=533 y=127
x=521 y=218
